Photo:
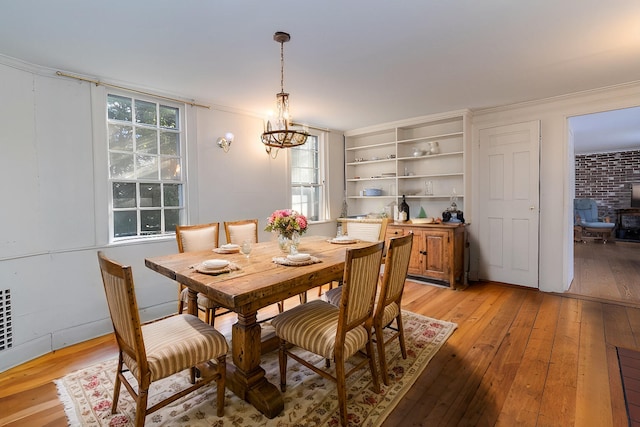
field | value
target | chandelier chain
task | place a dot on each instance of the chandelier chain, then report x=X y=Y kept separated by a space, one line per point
x=282 y=67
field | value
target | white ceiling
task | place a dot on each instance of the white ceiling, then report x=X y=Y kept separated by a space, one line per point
x=350 y=63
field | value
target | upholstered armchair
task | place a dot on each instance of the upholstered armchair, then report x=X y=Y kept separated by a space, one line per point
x=587 y=225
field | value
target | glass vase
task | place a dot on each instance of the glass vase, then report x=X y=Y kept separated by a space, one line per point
x=295 y=242
x=285 y=243
x=289 y=245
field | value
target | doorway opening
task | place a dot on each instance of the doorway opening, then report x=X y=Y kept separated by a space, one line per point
x=606 y=151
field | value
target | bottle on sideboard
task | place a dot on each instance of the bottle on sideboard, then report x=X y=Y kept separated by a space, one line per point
x=403 y=210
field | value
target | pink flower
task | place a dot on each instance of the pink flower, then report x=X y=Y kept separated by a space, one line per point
x=286 y=222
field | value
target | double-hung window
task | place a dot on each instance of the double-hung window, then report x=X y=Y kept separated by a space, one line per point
x=146 y=174
x=307 y=179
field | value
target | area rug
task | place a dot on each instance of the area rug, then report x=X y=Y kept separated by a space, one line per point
x=310 y=400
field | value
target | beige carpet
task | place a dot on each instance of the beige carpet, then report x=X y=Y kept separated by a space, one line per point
x=310 y=400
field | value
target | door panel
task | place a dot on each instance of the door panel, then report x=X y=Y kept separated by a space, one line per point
x=435 y=259
x=508 y=203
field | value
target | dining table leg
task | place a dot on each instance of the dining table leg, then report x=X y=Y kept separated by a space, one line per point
x=245 y=377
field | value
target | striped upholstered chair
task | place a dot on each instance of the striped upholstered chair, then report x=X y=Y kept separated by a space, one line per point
x=366 y=231
x=191 y=238
x=389 y=298
x=335 y=332
x=159 y=349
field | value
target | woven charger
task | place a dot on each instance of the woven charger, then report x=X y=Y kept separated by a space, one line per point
x=226 y=251
x=286 y=261
x=343 y=241
x=215 y=271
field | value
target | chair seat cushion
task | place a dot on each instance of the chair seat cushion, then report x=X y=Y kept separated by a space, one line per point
x=390 y=312
x=203 y=301
x=332 y=296
x=313 y=326
x=177 y=343
x=602 y=225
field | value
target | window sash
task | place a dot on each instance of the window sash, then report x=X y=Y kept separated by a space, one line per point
x=307 y=179
x=146 y=175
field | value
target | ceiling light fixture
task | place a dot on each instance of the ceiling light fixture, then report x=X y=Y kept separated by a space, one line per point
x=278 y=134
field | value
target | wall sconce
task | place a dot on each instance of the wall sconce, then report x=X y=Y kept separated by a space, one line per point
x=225 y=141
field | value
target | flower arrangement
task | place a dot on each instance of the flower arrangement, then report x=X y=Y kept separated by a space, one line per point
x=285 y=222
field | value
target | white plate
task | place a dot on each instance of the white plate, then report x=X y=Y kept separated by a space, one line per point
x=215 y=264
x=299 y=257
x=230 y=246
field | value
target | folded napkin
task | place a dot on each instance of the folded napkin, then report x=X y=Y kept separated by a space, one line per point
x=286 y=261
x=226 y=250
x=215 y=271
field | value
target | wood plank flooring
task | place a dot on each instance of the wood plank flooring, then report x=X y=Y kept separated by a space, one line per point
x=607 y=271
x=519 y=356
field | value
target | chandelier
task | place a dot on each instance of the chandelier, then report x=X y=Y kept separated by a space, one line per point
x=278 y=133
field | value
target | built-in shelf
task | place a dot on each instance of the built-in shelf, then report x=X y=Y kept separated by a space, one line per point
x=422 y=155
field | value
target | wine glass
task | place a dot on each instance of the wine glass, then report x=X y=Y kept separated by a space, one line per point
x=245 y=248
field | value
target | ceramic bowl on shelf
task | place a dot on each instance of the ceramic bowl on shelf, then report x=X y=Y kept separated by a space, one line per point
x=422 y=220
x=372 y=192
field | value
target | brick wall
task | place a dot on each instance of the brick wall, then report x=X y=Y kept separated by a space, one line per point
x=607 y=178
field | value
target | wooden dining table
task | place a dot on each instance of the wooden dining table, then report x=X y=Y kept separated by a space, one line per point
x=257 y=283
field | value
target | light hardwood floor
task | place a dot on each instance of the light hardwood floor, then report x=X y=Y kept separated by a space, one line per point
x=607 y=271
x=519 y=357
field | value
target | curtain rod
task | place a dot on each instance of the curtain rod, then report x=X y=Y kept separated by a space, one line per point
x=311 y=127
x=98 y=83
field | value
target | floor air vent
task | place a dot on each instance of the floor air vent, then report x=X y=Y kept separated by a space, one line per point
x=6 y=327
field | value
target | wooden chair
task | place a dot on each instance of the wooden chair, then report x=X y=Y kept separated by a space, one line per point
x=239 y=231
x=389 y=298
x=365 y=231
x=159 y=349
x=336 y=332
x=191 y=238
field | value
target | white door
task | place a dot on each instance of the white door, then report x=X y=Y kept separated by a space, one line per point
x=509 y=203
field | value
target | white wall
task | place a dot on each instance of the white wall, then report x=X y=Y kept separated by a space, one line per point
x=54 y=204
x=556 y=169
x=53 y=193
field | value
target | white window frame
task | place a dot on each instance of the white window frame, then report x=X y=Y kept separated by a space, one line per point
x=321 y=183
x=182 y=161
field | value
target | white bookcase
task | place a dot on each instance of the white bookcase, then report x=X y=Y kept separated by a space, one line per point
x=396 y=158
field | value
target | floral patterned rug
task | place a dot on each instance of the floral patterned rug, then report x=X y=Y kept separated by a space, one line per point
x=310 y=400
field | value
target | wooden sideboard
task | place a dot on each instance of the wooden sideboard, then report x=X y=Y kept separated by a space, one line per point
x=437 y=253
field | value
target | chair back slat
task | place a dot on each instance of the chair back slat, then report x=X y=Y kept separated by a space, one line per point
x=239 y=231
x=367 y=231
x=123 y=308
x=362 y=269
x=395 y=272
x=201 y=237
